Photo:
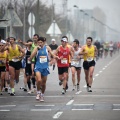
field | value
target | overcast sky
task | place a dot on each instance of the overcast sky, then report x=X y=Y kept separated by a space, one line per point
x=110 y=7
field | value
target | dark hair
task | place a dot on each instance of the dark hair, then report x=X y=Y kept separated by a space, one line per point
x=41 y=39
x=12 y=38
x=29 y=40
x=90 y=38
x=76 y=41
x=0 y=37
x=65 y=37
x=36 y=35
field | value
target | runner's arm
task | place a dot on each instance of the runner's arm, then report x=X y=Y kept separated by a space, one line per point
x=33 y=53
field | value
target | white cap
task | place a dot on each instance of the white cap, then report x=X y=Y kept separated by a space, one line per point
x=64 y=39
x=3 y=41
x=53 y=40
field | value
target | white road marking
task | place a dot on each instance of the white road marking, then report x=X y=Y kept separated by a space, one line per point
x=85 y=86
x=7 y=105
x=81 y=109
x=57 y=115
x=83 y=104
x=4 y=110
x=116 y=109
x=96 y=75
x=100 y=71
x=44 y=105
x=70 y=102
x=78 y=92
x=34 y=110
x=103 y=68
x=106 y=66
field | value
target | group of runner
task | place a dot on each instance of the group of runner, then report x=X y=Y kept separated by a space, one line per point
x=36 y=58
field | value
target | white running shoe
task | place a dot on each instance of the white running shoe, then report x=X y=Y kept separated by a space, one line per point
x=41 y=98
x=38 y=97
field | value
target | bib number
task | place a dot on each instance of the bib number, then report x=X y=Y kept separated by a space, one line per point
x=74 y=62
x=64 y=61
x=43 y=59
x=89 y=59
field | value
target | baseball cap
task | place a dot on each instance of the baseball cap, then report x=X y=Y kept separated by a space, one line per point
x=3 y=41
x=64 y=39
x=53 y=40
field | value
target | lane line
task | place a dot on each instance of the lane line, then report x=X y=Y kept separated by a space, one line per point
x=35 y=110
x=7 y=105
x=78 y=92
x=96 y=75
x=83 y=104
x=70 y=102
x=44 y=105
x=57 y=115
x=81 y=109
x=100 y=71
x=103 y=68
x=116 y=109
x=4 y=110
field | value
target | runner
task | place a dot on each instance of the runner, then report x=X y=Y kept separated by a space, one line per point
x=41 y=66
x=15 y=55
x=32 y=44
x=63 y=52
x=76 y=64
x=3 y=60
x=111 y=48
x=89 y=52
x=53 y=47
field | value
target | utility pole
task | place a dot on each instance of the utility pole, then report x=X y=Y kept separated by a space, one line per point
x=24 y=27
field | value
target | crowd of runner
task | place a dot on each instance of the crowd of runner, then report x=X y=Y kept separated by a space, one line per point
x=35 y=56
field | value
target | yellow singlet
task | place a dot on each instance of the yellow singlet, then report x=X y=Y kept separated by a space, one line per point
x=3 y=57
x=90 y=53
x=13 y=52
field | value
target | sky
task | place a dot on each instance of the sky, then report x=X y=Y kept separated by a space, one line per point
x=109 y=7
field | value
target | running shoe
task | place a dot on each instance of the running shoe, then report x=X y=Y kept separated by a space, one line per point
x=90 y=90
x=63 y=91
x=29 y=92
x=12 y=93
x=25 y=89
x=38 y=97
x=87 y=88
x=41 y=98
x=1 y=93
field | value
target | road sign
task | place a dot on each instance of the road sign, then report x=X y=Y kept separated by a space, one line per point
x=31 y=19
x=31 y=31
x=54 y=29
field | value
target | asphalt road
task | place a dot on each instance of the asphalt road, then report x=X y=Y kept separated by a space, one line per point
x=102 y=104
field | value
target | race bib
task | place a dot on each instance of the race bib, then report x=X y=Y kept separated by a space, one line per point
x=15 y=60
x=43 y=59
x=74 y=62
x=64 y=61
x=89 y=59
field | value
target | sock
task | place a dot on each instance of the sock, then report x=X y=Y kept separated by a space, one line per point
x=53 y=67
x=38 y=92
x=13 y=90
x=87 y=85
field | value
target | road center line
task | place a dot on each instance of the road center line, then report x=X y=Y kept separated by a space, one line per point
x=96 y=75
x=78 y=92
